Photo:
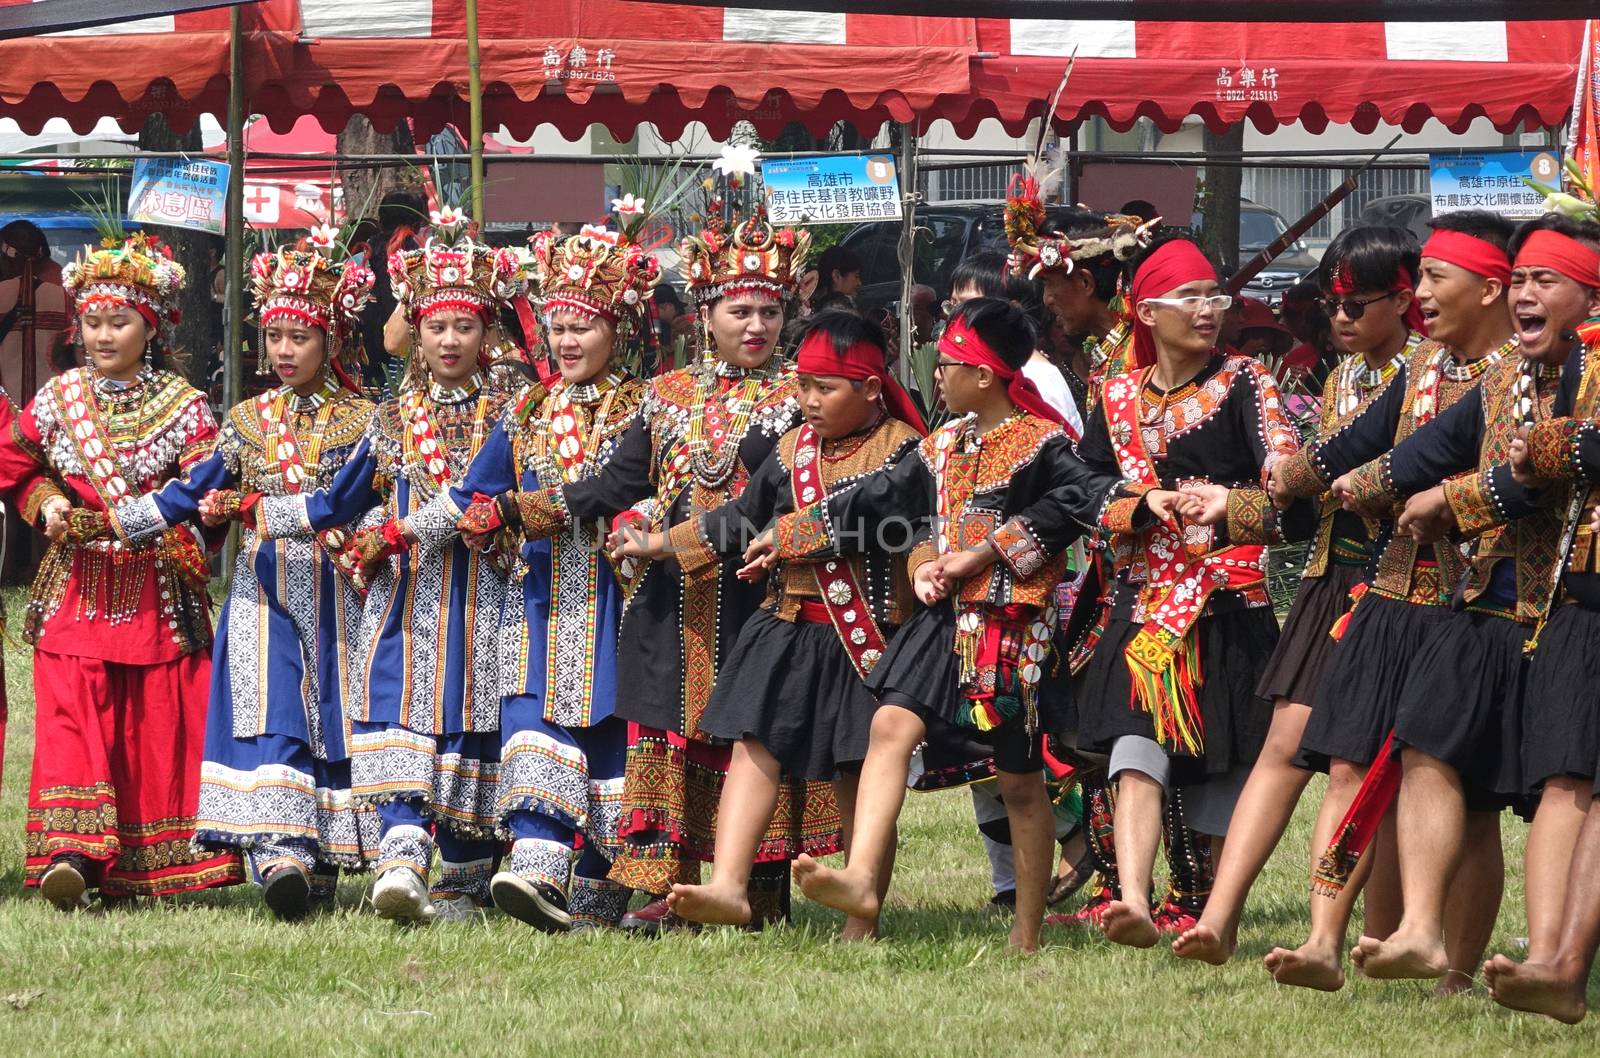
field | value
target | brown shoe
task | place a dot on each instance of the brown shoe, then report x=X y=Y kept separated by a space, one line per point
x=654 y=919
x=63 y=885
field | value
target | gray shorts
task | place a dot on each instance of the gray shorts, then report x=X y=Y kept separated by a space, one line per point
x=1207 y=806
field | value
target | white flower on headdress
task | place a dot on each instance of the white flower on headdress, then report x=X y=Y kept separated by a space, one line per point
x=324 y=237
x=628 y=205
x=736 y=160
x=448 y=217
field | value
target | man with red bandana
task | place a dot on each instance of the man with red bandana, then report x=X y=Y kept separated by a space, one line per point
x=1165 y=680
x=1466 y=748
x=1461 y=289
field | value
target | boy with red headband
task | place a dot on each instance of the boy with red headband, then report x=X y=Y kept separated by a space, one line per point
x=791 y=696
x=1165 y=680
x=1459 y=726
x=1006 y=495
x=1461 y=290
x=1367 y=276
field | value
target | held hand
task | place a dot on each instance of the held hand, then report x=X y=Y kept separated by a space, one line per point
x=634 y=541
x=1165 y=504
x=759 y=557
x=1276 y=490
x=1344 y=493
x=55 y=517
x=1204 y=504
x=1522 y=461
x=928 y=584
x=212 y=509
x=1427 y=517
x=1594 y=520
x=960 y=565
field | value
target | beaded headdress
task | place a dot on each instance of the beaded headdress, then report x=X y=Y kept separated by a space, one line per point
x=138 y=273
x=454 y=271
x=597 y=272
x=308 y=285
x=751 y=255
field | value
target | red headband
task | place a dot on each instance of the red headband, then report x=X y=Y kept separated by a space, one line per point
x=1560 y=253
x=1171 y=266
x=1344 y=285
x=961 y=343
x=863 y=360
x=112 y=301
x=1478 y=256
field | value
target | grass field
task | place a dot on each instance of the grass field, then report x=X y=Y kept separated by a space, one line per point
x=216 y=976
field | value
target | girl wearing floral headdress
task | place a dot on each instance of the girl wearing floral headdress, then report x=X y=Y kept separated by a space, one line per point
x=424 y=700
x=700 y=435
x=561 y=743
x=120 y=631
x=276 y=776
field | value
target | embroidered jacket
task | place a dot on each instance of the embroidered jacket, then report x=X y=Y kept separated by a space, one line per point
x=104 y=444
x=725 y=532
x=289 y=616
x=560 y=645
x=670 y=465
x=1226 y=426
x=1471 y=439
x=429 y=657
x=1566 y=448
x=1420 y=573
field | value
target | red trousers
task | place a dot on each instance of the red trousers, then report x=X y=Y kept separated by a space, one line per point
x=116 y=773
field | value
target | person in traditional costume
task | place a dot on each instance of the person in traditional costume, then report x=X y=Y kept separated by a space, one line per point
x=1459 y=724
x=790 y=695
x=562 y=744
x=1461 y=288
x=1173 y=660
x=1368 y=276
x=1081 y=258
x=121 y=633
x=424 y=703
x=999 y=495
x=275 y=780
x=700 y=436
x=1561 y=722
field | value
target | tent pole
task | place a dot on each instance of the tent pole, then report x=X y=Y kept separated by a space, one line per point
x=475 y=89
x=907 y=251
x=233 y=324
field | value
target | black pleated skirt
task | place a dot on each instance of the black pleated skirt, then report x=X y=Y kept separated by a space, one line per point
x=791 y=686
x=1234 y=648
x=1294 y=672
x=1561 y=709
x=1353 y=709
x=1463 y=704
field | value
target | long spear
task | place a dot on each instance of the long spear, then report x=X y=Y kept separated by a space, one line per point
x=1253 y=266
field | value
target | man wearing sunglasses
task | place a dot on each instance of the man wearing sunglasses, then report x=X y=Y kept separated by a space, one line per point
x=1462 y=295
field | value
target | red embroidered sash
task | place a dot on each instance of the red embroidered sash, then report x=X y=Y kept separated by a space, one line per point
x=841 y=593
x=1163 y=657
x=283 y=446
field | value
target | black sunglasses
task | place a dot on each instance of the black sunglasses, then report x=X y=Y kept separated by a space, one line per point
x=1353 y=310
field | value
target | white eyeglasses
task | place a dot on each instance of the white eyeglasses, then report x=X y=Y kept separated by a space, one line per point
x=1219 y=302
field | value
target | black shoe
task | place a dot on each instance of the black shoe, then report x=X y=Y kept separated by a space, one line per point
x=1007 y=898
x=539 y=904
x=287 y=893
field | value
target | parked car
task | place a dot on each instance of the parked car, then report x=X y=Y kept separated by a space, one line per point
x=1259 y=226
x=949 y=231
x=1411 y=212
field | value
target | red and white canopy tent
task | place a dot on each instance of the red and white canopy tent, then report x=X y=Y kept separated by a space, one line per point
x=574 y=63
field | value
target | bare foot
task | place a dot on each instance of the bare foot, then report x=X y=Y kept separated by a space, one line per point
x=1453 y=983
x=1026 y=941
x=1399 y=957
x=710 y=904
x=858 y=929
x=1202 y=944
x=840 y=890
x=1125 y=923
x=1306 y=967
x=1539 y=988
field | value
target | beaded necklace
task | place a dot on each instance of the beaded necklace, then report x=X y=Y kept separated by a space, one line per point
x=1426 y=404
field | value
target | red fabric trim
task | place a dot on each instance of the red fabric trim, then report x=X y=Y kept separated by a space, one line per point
x=1561 y=253
x=1465 y=251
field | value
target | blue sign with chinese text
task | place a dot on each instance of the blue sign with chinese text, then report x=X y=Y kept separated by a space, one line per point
x=837 y=189
x=179 y=192
x=1493 y=181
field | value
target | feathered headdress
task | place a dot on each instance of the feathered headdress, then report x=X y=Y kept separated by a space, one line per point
x=309 y=284
x=597 y=272
x=454 y=271
x=751 y=255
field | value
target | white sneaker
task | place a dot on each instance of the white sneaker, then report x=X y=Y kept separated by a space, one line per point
x=401 y=896
x=456 y=909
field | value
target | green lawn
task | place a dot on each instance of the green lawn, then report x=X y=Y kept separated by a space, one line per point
x=216 y=976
